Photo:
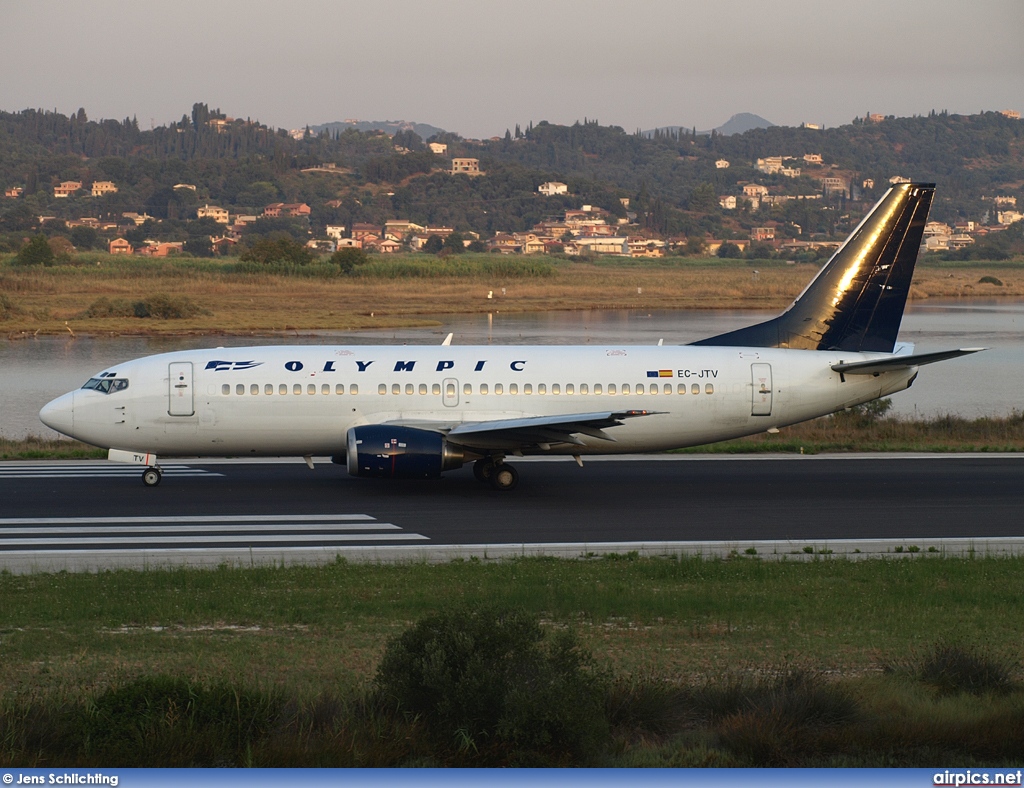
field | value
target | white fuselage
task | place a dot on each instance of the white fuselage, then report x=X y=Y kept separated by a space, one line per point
x=302 y=400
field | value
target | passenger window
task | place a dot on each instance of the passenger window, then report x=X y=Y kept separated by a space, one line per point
x=311 y=388
x=450 y=390
x=339 y=389
x=225 y=389
x=597 y=388
x=654 y=388
x=584 y=388
x=570 y=388
x=268 y=389
x=542 y=388
x=436 y=389
x=668 y=388
x=483 y=388
x=527 y=388
x=409 y=388
x=353 y=389
x=282 y=389
x=467 y=388
x=611 y=388
x=556 y=388
x=513 y=388
x=396 y=388
x=625 y=389
x=499 y=389
x=423 y=388
x=681 y=389
x=297 y=388
x=325 y=388
x=695 y=388
x=709 y=388
x=239 y=388
x=254 y=388
x=382 y=389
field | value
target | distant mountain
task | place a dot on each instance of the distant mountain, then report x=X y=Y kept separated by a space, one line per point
x=737 y=124
x=390 y=127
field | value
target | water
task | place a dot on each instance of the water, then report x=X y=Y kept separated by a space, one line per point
x=34 y=371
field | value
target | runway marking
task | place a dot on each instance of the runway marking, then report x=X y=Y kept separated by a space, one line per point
x=203 y=533
x=94 y=471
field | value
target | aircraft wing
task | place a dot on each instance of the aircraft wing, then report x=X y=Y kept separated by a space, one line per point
x=531 y=431
x=878 y=365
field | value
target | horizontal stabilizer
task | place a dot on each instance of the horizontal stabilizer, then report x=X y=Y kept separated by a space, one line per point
x=878 y=365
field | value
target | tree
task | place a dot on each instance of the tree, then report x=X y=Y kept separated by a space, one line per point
x=85 y=237
x=454 y=243
x=36 y=252
x=349 y=258
x=279 y=250
x=729 y=251
x=433 y=245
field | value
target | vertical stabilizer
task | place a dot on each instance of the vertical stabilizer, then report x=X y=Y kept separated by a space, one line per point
x=856 y=301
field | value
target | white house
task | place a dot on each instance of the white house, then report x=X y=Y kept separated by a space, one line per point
x=553 y=187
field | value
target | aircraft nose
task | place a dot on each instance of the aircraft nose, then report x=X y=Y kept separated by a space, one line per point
x=59 y=414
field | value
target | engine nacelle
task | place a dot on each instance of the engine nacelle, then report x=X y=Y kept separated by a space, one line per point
x=387 y=452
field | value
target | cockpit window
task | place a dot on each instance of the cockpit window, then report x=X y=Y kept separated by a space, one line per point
x=106 y=385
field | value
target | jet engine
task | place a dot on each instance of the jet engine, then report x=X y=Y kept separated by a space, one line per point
x=383 y=451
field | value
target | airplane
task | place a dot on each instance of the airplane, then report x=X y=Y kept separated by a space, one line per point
x=419 y=411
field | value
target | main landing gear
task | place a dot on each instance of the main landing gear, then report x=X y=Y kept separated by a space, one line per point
x=151 y=477
x=496 y=472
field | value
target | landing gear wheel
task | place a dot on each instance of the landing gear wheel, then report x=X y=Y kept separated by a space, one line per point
x=483 y=469
x=151 y=477
x=504 y=477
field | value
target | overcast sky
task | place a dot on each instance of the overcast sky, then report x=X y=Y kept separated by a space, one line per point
x=479 y=67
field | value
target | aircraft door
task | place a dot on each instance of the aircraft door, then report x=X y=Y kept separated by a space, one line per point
x=761 y=377
x=180 y=398
x=450 y=392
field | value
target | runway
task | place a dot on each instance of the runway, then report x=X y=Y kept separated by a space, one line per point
x=94 y=515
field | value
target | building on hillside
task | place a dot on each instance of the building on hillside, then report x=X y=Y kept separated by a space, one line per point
x=868 y=183
x=219 y=215
x=832 y=184
x=617 y=245
x=762 y=233
x=898 y=179
x=937 y=228
x=161 y=249
x=875 y=117
x=769 y=165
x=119 y=246
x=99 y=188
x=190 y=186
x=1008 y=217
x=812 y=158
x=335 y=231
x=398 y=229
x=1012 y=114
x=466 y=167
x=722 y=164
x=711 y=247
x=14 y=191
x=755 y=190
x=348 y=243
x=296 y=210
x=328 y=245
x=553 y=187
x=1011 y=201
x=438 y=148
x=66 y=188
x=728 y=202
x=789 y=172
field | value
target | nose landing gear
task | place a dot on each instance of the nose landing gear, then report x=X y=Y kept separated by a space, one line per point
x=151 y=477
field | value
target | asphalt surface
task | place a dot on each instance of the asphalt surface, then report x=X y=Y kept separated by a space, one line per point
x=98 y=514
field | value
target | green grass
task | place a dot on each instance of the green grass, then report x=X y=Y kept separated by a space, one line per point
x=710 y=662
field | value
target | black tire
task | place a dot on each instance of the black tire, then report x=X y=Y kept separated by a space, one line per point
x=151 y=477
x=504 y=478
x=483 y=469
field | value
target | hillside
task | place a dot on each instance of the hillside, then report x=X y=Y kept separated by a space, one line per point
x=671 y=180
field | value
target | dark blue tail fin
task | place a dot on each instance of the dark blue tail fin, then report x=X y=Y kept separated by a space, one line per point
x=856 y=301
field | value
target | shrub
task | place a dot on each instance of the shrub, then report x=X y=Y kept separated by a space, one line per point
x=6 y=307
x=36 y=252
x=491 y=688
x=167 y=721
x=990 y=280
x=278 y=249
x=160 y=306
x=953 y=668
x=349 y=259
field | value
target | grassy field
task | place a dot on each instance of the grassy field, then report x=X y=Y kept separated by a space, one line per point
x=411 y=290
x=768 y=644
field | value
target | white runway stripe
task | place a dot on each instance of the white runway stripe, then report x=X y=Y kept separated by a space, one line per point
x=210 y=518
x=240 y=541
x=285 y=528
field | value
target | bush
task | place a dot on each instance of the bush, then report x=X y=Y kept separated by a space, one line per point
x=952 y=668
x=6 y=307
x=36 y=252
x=278 y=249
x=160 y=306
x=349 y=259
x=166 y=721
x=490 y=688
